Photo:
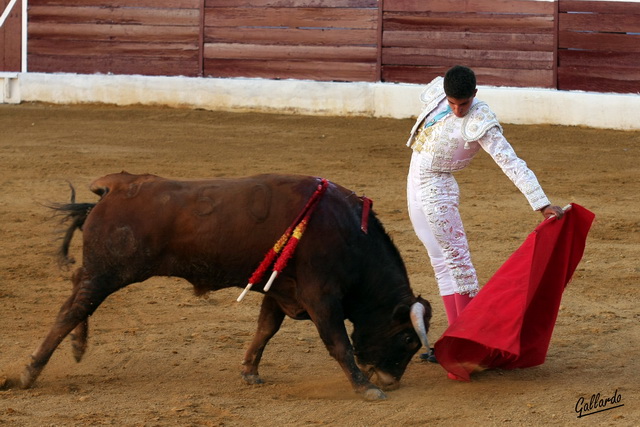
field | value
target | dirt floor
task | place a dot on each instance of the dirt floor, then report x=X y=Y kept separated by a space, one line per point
x=160 y=356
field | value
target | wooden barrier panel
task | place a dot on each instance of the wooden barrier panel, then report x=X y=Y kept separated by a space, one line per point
x=599 y=46
x=505 y=42
x=159 y=37
x=10 y=38
x=297 y=39
x=564 y=44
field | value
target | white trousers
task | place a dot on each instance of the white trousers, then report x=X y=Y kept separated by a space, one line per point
x=433 y=199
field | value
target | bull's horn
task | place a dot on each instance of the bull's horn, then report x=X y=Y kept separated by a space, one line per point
x=417 y=319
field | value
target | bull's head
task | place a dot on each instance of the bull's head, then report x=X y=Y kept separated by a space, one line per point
x=387 y=348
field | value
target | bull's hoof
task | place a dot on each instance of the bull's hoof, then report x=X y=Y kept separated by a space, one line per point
x=78 y=351
x=373 y=394
x=26 y=379
x=252 y=379
x=29 y=376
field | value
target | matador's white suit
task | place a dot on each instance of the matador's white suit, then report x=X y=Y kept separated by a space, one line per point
x=447 y=146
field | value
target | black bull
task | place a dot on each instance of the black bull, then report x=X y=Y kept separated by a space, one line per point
x=214 y=233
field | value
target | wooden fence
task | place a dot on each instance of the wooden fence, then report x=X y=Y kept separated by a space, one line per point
x=149 y=37
x=599 y=46
x=506 y=42
x=563 y=44
x=299 y=39
x=10 y=38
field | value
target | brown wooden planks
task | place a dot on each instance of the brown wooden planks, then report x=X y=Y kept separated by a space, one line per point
x=485 y=76
x=152 y=38
x=290 y=53
x=293 y=3
x=598 y=46
x=509 y=42
x=478 y=41
x=112 y=32
x=11 y=39
x=577 y=58
x=291 y=36
x=68 y=48
x=102 y=15
x=155 y=66
x=615 y=42
x=469 y=22
x=469 y=57
x=600 y=22
x=292 y=18
x=491 y=35
x=478 y=6
x=599 y=79
x=115 y=4
x=335 y=41
x=600 y=7
x=311 y=70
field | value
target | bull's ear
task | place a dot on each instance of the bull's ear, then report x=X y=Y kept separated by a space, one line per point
x=401 y=312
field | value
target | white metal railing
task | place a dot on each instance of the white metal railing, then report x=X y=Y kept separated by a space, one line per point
x=6 y=12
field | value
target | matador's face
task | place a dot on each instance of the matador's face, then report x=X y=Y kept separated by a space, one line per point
x=460 y=107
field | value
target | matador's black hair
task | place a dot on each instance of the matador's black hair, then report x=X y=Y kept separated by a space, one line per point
x=460 y=82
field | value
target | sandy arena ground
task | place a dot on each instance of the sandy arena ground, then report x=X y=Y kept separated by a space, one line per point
x=159 y=356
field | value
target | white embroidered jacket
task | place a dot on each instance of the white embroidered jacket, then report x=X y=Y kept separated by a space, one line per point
x=451 y=143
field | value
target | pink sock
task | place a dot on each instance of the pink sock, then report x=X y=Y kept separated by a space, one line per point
x=461 y=302
x=450 y=307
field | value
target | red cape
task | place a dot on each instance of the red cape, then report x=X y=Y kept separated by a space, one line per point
x=508 y=325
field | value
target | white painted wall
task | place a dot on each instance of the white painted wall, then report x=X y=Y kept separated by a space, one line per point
x=512 y=105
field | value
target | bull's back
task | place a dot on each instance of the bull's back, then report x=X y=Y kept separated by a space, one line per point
x=209 y=224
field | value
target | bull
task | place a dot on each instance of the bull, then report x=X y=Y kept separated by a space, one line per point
x=213 y=233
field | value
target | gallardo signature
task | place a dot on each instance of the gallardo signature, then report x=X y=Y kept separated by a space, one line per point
x=598 y=404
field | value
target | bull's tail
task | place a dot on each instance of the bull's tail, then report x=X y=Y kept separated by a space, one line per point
x=76 y=214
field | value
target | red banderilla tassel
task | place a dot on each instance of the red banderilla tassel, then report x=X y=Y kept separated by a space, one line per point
x=288 y=241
